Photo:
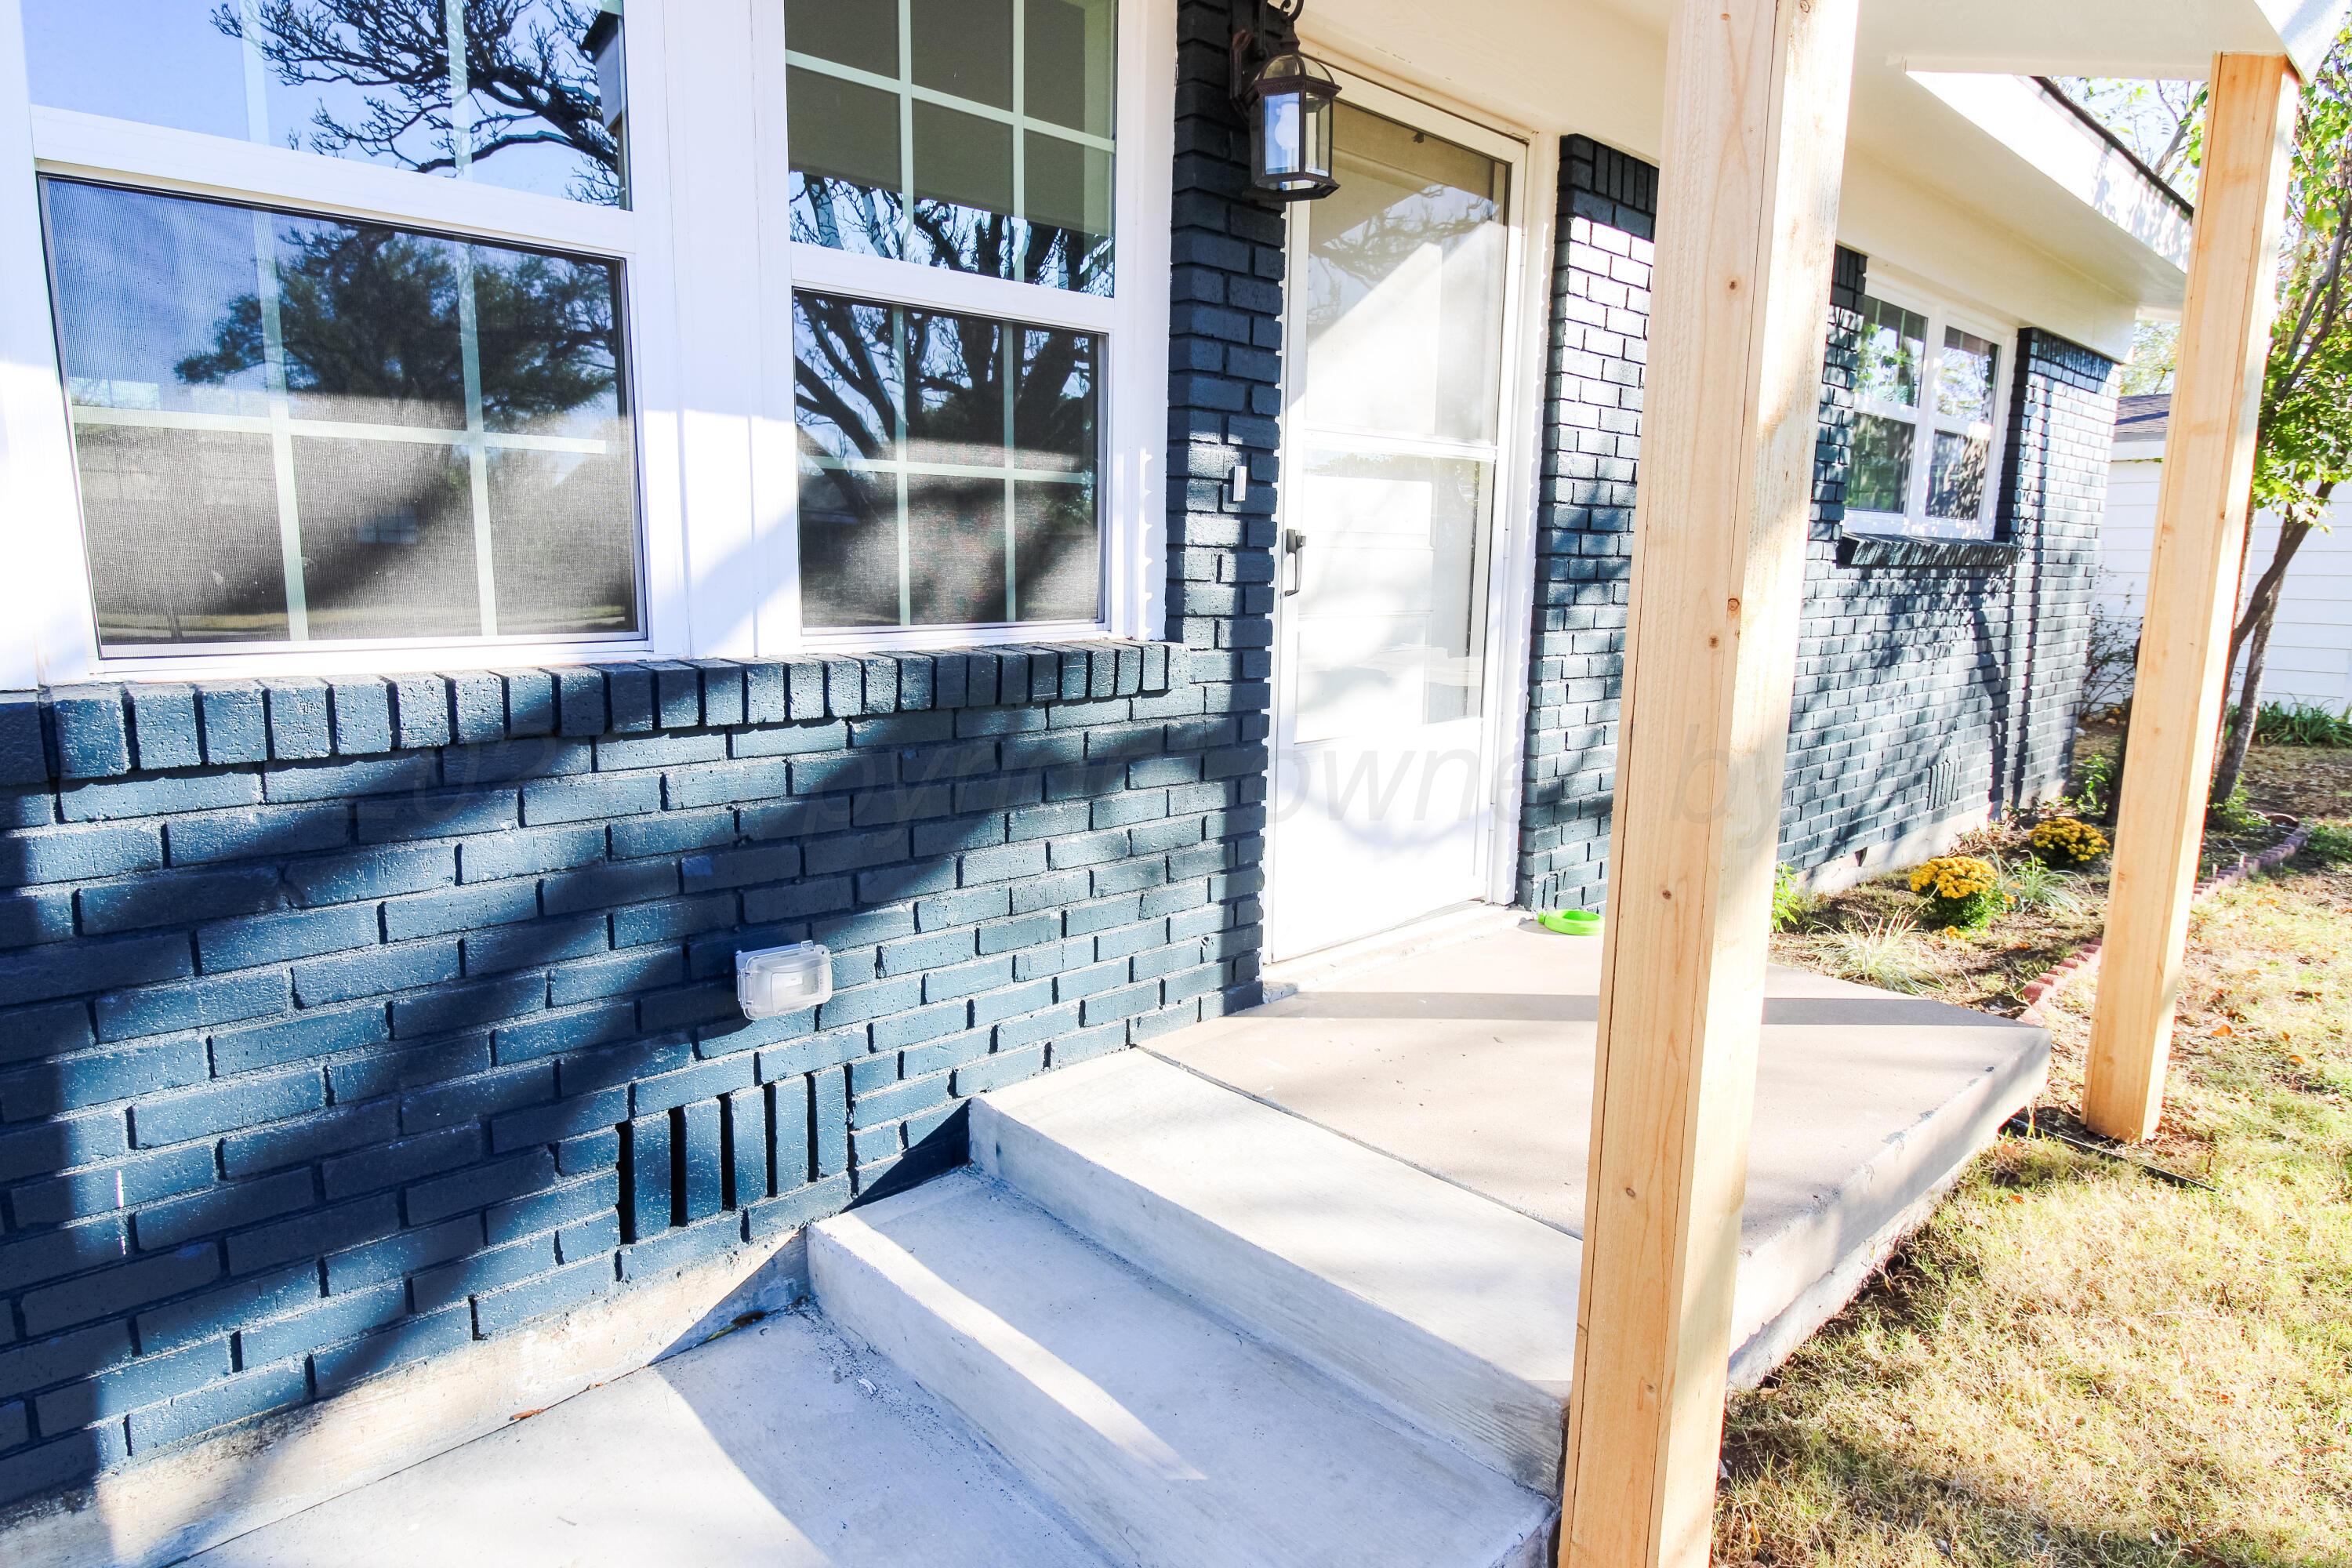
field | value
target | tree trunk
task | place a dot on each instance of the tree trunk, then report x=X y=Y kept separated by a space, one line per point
x=2240 y=738
x=2115 y=801
x=2253 y=633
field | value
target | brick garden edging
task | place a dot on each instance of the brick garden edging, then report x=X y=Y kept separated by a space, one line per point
x=2086 y=962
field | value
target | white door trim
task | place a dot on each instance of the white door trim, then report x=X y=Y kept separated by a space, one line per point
x=1518 y=502
x=1532 y=159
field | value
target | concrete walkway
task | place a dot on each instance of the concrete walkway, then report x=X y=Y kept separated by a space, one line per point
x=780 y=1446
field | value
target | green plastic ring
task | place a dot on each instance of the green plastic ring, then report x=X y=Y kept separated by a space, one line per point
x=1570 y=922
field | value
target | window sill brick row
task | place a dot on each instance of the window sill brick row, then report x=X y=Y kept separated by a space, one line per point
x=105 y=730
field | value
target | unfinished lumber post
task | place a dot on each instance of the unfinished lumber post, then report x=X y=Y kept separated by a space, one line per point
x=2201 y=525
x=1756 y=94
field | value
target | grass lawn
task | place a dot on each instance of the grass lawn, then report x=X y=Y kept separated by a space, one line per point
x=2074 y=1363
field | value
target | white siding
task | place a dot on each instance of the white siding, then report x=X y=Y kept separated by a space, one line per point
x=2311 y=650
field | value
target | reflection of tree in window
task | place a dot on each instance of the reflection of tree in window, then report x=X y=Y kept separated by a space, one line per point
x=850 y=378
x=1346 y=268
x=531 y=69
x=851 y=385
x=370 y=318
x=920 y=532
x=843 y=214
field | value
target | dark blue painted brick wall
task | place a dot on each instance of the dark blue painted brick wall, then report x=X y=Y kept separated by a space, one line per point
x=1924 y=693
x=392 y=1014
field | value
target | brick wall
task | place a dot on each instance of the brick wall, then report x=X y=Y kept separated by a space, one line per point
x=349 y=1022
x=1224 y=403
x=342 y=1023
x=1584 y=520
x=1926 y=690
x=2062 y=416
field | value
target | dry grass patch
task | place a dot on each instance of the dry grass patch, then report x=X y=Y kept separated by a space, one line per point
x=2074 y=1364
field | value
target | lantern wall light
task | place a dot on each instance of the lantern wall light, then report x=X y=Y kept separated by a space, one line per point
x=1286 y=96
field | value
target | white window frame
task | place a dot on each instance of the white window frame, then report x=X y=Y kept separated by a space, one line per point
x=709 y=273
x=1941 y=312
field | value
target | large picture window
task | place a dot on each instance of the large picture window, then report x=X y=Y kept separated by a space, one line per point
x=372 y=336
x=1927 y=407
x=293 y=428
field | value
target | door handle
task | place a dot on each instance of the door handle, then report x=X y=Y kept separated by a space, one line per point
x=1294 y=569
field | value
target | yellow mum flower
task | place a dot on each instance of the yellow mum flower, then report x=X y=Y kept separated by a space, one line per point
x=2062 y=840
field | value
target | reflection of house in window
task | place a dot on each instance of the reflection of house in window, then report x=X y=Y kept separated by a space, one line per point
x=395 y=526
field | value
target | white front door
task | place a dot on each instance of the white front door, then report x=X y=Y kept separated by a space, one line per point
x=1400 y=317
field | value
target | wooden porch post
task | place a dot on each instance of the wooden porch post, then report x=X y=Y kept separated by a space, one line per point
x=2200 y=515
x=1754 y=141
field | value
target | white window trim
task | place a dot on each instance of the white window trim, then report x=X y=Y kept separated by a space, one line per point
x=709 y=271
x=1941 y=312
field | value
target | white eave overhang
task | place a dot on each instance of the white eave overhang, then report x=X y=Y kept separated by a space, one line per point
x=1992 y=192
x=2059 y=182
x=2141 y=39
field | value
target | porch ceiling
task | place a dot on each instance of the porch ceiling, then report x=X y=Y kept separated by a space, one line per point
x=1929 y=189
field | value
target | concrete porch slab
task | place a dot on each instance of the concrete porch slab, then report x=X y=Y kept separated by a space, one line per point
x=1472 y=1061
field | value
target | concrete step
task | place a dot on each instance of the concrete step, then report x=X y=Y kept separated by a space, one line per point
x=1450 y=1311
x=778 y=1445
x=1170 y=1438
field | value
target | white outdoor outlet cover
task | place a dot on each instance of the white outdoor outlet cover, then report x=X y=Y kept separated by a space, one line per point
x=774 y=980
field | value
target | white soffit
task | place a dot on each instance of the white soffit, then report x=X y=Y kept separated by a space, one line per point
x=2176 y=38
x=2027 y=118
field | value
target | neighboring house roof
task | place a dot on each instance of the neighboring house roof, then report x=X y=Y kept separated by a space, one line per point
x=2142 y=416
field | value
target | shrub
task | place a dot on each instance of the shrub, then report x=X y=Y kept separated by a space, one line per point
x=2236 y=814
x=2301 y=725
x=1962 y=891
x=2111 y=657
x=2094 y=789
x=2330 y=844
x=2064 y=841
x=1791 y=902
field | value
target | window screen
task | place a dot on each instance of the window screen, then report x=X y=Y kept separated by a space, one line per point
x=948 y=468
x=302 y=429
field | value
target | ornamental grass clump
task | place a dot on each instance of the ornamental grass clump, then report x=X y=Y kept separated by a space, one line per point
x=2032 y=884
x=2064 y=841
x=1962 y=891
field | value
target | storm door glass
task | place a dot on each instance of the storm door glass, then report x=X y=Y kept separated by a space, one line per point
x=1389 y=462
x=1396 y=425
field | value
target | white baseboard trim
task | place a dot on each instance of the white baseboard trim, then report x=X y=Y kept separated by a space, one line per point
x=182 y=1501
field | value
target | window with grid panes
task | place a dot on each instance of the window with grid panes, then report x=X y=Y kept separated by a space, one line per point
x=950 y=458
x=1925 y=430
x=290 y=426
